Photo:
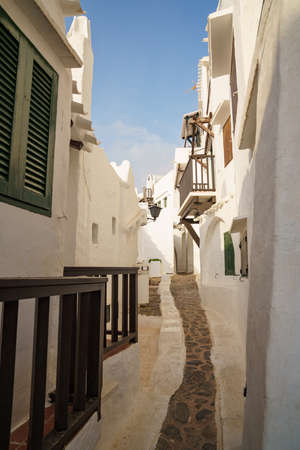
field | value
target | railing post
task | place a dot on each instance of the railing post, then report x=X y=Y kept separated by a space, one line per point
x=114 y=308
x=195 y=174
x=73 y=320
x=64 y=355
x=81 y=352
x=213 y=172
x=101 y=349
x=104 y=300
x=7 y=368
x=39 y=373
x=125 y=305
x=133 y=306
x=93 y=352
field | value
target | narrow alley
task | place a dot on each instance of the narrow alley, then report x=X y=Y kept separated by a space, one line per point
x=190 y=421
x=149 y=225
x=175 y=406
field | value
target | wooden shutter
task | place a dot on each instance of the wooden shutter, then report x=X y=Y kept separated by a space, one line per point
x=9 y=53
x=38 y=131
x=28 y=96
x=229 y=254
x=244 y=254
x=227 y=142
x=40 y=137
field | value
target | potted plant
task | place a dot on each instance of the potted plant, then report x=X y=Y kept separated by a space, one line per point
x=155 y=267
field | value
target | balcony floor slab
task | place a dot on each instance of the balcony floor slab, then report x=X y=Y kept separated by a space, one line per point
x=196 y=203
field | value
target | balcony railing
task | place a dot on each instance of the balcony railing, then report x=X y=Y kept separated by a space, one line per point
x=79 y=355
x=199 y=175
x=122 y=328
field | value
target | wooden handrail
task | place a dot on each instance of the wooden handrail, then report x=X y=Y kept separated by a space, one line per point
x=82 y=303
x=72 y=271
x=129 y=295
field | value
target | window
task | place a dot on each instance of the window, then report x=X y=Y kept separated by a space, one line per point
x=95 y=230
x=244 y=254
x=114 y=225
x=233 y=86
x=28 y=92
x=165 y=202
x=229 y=254
x=227 y=142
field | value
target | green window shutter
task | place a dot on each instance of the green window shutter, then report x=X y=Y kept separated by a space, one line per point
x=38 y=131
x=229 y=255
x=28 y=97
x=9 y=54
x=40 y=139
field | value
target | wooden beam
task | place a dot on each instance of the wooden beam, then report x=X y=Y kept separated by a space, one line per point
x=203 y=119
x=207 y=130
x=191 y=221
x=191 y=230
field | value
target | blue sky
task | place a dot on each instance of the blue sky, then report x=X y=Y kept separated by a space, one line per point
x=146 y=55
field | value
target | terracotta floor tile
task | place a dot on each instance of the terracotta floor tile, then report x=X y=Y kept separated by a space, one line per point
x=20 y=434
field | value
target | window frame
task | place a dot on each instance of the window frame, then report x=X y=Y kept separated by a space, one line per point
x=234 y=93
x=14 y=191
x=244 y=271
x=227 y=142
x=229 y=269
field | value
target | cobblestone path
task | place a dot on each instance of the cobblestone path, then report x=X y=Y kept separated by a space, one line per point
x=190 y=421
x=153 y=307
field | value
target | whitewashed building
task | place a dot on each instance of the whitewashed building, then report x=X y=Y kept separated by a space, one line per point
x=247 y=214
x=164 y=239
x=62 y=203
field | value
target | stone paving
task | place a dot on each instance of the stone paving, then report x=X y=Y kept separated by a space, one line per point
x=153 y=307
x=190 y=421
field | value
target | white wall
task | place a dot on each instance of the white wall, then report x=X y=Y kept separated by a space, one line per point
x=226 y=295
x=262 y=184
x=100 y=198
x=101 y=195
x=273 y=351
x=156 y=238
x=86 y=190
x=32 y=244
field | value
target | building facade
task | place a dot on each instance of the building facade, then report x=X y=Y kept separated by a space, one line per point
x=62 y=203
x=248 y=224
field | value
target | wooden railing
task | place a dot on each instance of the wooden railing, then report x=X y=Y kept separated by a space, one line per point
x=117 y=333
x=79 y=356
x=199 y=175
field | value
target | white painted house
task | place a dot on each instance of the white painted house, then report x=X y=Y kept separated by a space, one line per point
x=163 y=239
x=62 y=203
x=248 y=215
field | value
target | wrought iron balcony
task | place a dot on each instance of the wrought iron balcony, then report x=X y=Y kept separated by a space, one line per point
x=197 y=185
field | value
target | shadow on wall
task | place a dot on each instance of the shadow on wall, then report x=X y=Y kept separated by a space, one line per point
x=150 y=250
x=261 y=256
x=211 y=251
x=183 y=252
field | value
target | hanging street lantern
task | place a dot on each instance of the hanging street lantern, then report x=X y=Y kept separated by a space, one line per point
x=154 y=211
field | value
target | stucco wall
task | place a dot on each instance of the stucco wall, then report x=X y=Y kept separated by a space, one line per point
x=32 y=244
x=264 y=189
x=103 y=214
x=156 y=238
x=39 y=241
x=101 y=197
x=92 y=191
x=272 y=405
